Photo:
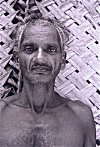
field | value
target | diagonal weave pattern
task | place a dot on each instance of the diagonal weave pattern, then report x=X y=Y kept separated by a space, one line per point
x=81 y=77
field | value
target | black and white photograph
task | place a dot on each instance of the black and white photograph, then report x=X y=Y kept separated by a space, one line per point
x=49 y=73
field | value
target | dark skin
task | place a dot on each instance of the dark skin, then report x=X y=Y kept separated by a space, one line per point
x=39 y=117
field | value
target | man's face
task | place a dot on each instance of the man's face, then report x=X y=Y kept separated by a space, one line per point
x=40 y=53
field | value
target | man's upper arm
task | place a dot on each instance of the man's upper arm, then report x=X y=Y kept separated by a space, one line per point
x=89 y=126
x=85 y=114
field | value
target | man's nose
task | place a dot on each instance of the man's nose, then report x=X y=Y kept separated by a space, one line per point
x=40 y=53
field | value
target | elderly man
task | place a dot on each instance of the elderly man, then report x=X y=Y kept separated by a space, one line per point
x=38 y=116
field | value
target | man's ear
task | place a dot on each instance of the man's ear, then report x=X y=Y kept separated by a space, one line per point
x=16 y=58
x=63 y=64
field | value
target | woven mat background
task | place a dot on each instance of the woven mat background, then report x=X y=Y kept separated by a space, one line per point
x=81 y=77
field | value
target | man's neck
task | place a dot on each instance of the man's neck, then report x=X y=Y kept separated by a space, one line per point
x=38 y=96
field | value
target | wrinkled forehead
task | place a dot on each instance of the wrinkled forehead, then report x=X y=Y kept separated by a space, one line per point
x=41 y=28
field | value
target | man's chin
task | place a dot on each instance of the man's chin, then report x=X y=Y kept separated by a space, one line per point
x=39 y=78
x=39 y=81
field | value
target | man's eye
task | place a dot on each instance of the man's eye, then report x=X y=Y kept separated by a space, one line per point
x=29 y=49
x=51 y=50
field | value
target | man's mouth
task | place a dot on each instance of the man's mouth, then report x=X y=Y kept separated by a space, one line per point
x=41 y=69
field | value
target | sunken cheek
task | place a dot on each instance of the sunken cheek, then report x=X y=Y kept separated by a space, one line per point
x=24 y=61
x=56 y=62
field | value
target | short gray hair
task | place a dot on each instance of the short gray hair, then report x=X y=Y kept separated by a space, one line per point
x=35 y=19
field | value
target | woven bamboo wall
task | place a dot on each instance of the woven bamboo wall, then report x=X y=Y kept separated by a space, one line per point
x=81 y=77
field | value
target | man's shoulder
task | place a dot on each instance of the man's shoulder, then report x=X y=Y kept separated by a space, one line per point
x=78 y=112
x=82 y=110
x=4 y=102
x=78 y=106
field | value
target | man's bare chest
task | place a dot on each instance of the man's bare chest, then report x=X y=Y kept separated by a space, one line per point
x=21 y=130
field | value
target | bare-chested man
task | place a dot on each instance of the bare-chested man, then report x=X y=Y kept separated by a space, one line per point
x=38 y=116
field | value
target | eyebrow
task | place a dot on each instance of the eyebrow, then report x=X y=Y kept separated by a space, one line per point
x=36 y=44
x=28 y=43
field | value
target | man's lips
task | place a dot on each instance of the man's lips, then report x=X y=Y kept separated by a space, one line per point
x=41 y=68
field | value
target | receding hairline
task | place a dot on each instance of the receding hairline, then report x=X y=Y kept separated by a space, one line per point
x=62 y=31
x=52 y=27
